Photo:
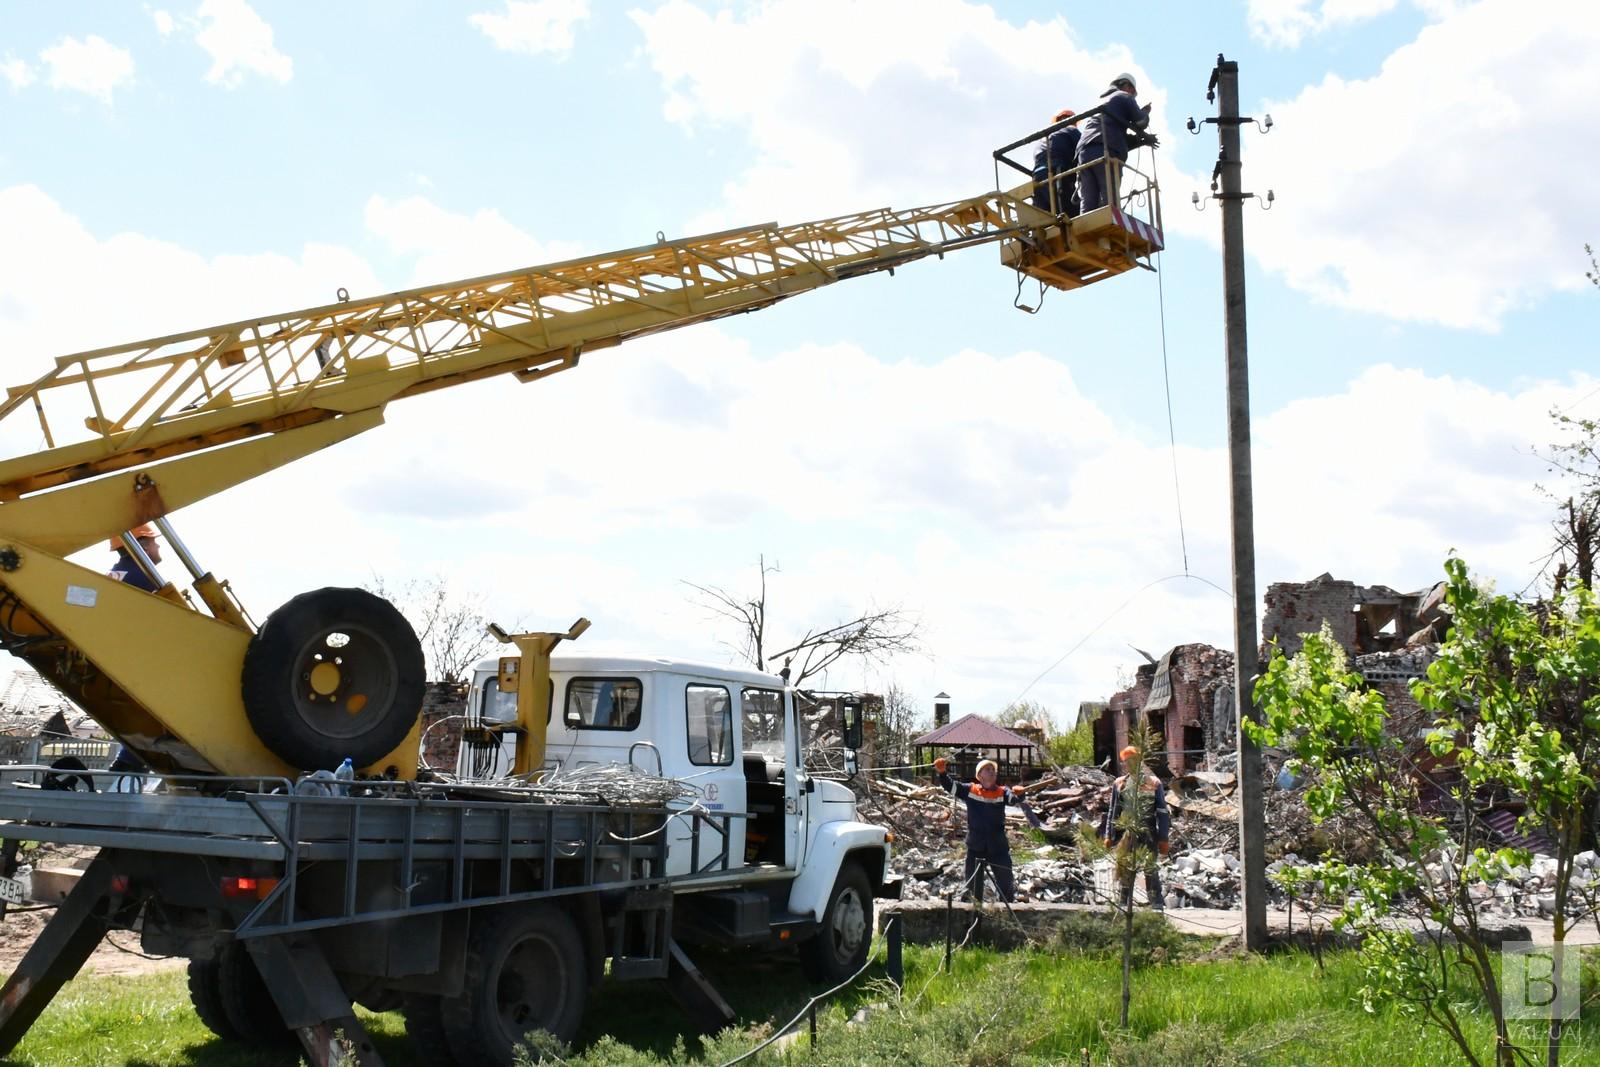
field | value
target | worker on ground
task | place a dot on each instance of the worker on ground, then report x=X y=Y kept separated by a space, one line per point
x=986 y=824
x=1054 y=159
x=127 y=570
x=1108 y=136
x=1149 y=837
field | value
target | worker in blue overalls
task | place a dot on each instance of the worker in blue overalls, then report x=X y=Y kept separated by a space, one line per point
x=1108 y=135
x=986 y=824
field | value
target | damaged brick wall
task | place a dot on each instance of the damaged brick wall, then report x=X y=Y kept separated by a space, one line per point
x=1362 y=618
x=441 y=734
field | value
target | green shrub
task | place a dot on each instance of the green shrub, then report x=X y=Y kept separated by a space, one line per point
x=1099 y=933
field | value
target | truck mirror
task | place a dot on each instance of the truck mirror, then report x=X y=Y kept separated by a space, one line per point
x=851 y=714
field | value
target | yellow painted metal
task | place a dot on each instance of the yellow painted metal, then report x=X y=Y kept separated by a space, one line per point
x=174 y=419
x=180 y=668
x=75 y=516
x=528 y=675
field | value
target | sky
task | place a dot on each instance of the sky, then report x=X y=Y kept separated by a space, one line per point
x=1416 y=298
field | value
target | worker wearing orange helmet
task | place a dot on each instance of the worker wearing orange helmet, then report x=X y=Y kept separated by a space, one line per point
x=127 y=570
x=986 y=802
x=1151 y=836
x=1055 y=189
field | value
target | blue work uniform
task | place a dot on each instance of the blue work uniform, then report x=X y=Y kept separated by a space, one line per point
x=1157 y=825
x=986 y=831
x=1057 y=155
x=1110 y=133
x=127 y=571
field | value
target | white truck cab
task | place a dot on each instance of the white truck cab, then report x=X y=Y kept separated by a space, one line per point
x=800 y=865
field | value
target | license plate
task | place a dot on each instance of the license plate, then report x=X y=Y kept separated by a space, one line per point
x=11 y=891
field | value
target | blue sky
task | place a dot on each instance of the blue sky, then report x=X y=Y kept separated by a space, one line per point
x=1416 y=299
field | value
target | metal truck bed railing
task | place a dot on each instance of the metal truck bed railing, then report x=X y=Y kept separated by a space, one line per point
x=596 y=844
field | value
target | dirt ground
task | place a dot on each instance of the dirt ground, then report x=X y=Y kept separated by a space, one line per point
x=117 y=954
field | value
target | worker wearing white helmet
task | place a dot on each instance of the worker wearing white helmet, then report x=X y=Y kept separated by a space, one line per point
x=1109 y=134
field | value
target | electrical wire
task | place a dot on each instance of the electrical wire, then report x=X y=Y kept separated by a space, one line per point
x=1114 y=613
x=1172 y=433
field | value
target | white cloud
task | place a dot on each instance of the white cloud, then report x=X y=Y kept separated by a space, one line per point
x=985 y=491
x=17 y=73
x=898 y=102
x=164 y=21
x=1288 y=22
x=1449 y=187
x=92 y=65
x=449 y=245
x=533 y=26
x=239 y=42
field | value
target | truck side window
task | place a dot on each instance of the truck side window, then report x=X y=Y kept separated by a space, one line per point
x=496 y=706
x=603 y=703
x=710 y=714
x=763 y=722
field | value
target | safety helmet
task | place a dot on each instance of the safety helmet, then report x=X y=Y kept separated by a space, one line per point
x=144 y=529
x=1064 y=113
x=990 y=764
x=1125 y=77
x=1129 y=751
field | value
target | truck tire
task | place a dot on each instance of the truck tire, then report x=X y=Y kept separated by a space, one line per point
x=525 y=971
x=206 y=997
x=424 y=1017
x=246 y=1000
x=333 y=673
x=840 y=947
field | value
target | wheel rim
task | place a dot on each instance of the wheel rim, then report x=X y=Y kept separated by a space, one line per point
x=530 y=989
x=344 y=678
x=849 y=924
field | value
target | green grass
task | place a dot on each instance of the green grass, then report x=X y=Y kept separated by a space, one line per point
x=1024 y=1008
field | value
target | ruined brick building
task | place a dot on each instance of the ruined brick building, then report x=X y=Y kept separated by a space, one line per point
x=1186 y=696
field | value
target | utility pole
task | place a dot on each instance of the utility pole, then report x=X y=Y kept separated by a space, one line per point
x=1224 y=90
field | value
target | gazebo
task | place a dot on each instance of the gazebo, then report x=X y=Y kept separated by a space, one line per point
x=971 y=739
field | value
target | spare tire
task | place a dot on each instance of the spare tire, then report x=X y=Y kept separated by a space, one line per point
x=333 y=673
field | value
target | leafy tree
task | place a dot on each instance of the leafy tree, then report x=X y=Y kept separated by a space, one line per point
x=1129 y=855
x=1514 y=709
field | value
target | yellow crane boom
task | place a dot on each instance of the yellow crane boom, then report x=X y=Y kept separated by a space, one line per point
x=134 y=432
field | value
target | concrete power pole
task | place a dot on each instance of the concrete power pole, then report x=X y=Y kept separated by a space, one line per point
x=1252 y=814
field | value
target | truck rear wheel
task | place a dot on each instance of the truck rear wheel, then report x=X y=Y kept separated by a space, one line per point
x=206 y=996
x=525 y=971
x=840 y=948
x=333 y=673
x=246 y=1000
x=424 y=1017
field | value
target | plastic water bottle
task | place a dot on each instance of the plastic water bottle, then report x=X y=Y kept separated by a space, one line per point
x=345 y=774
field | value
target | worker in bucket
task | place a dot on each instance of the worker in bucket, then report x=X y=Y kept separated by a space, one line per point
x=1147 y=840
x=127 y=570
x=986 y=802
x=1108 y=136
x=1052 y=164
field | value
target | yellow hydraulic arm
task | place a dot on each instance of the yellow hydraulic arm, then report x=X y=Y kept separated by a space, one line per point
x=134 y=432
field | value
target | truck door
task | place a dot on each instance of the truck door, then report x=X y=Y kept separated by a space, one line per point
x=773 y=788
x=706 y=709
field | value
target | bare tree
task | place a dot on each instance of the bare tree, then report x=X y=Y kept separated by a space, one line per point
x=897 y=725
x=452 y=628
x=873 y=635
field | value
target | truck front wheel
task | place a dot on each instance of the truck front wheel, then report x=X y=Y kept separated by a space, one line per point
x=840 y=947
x=525 y=971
